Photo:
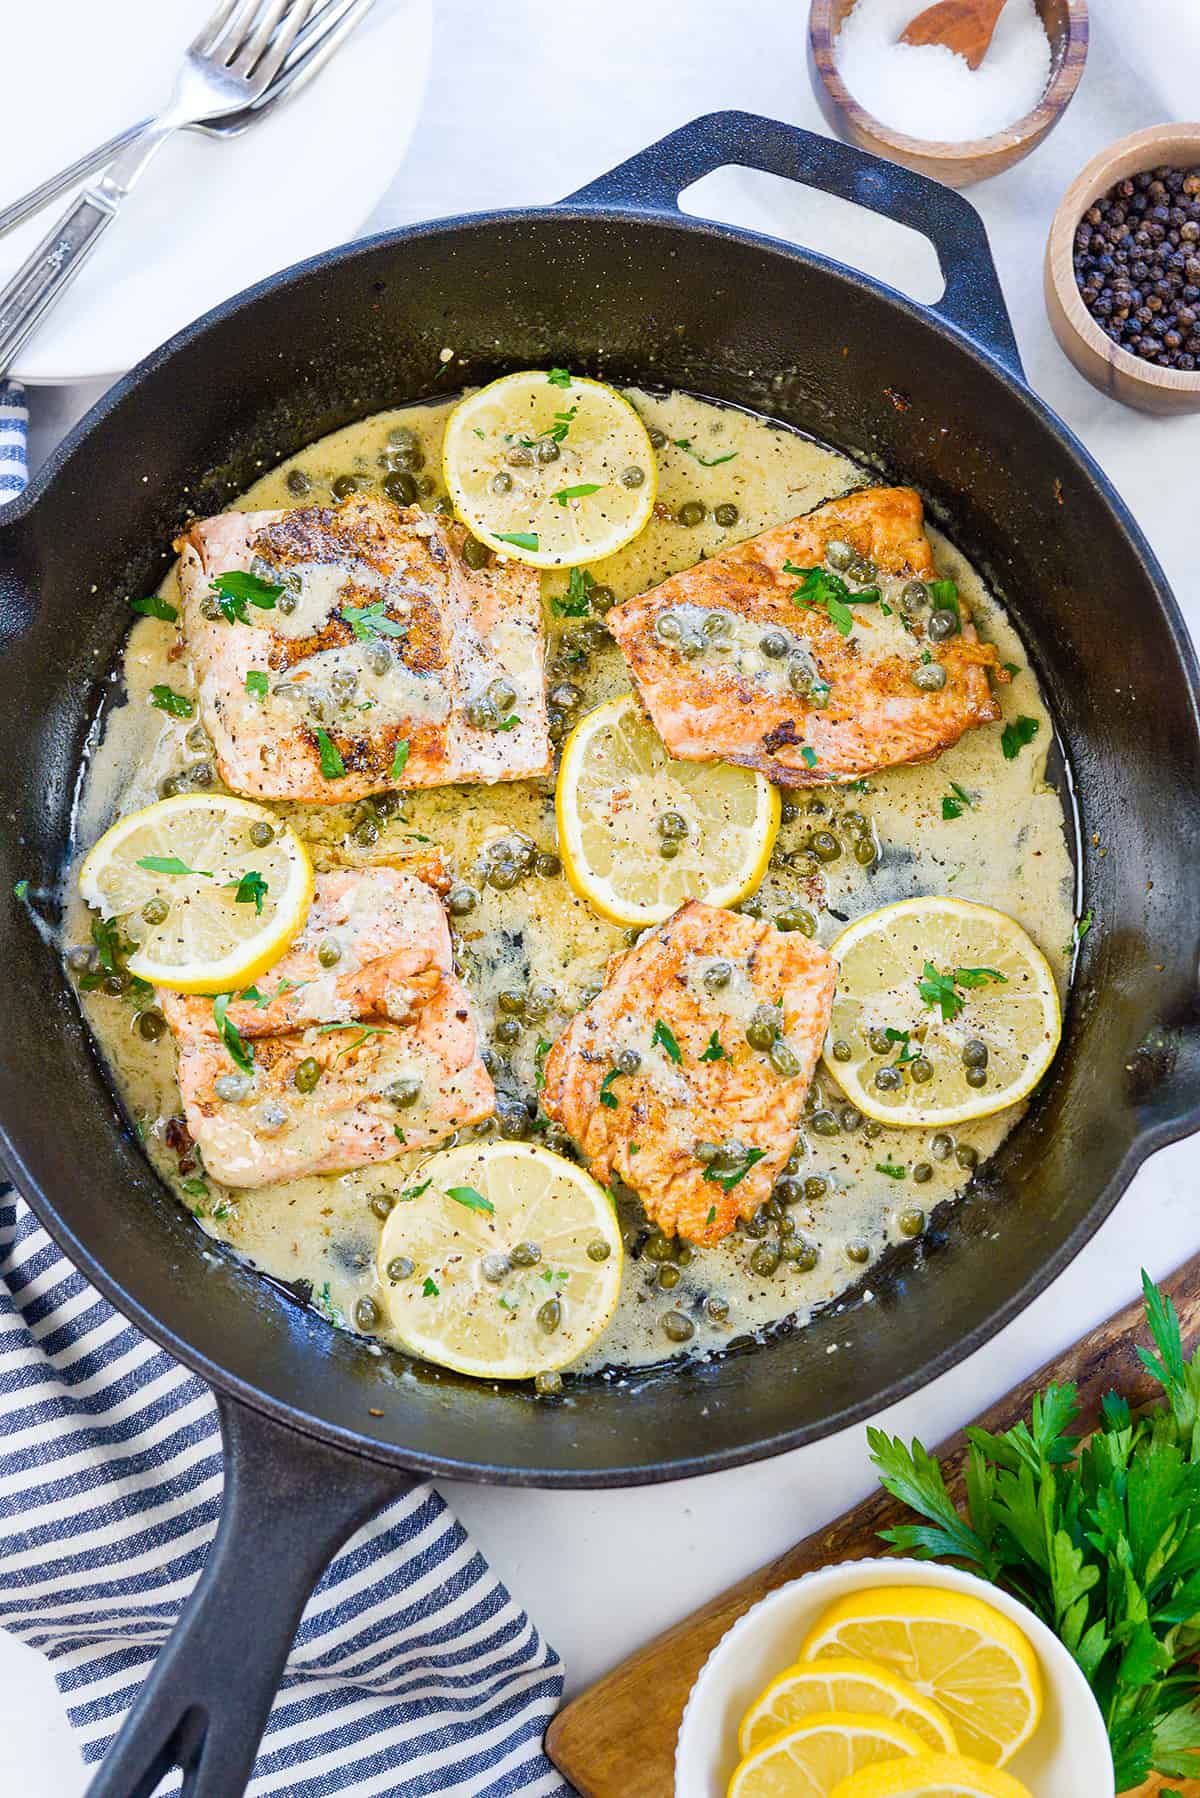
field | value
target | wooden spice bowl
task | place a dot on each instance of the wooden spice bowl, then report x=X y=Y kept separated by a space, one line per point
x=1116 y=371
x=958 y=165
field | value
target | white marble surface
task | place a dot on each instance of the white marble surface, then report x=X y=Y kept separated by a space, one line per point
x=527 y=101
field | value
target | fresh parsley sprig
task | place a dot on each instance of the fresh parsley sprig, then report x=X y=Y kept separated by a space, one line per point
x=818 y=587
x=1101 y=1542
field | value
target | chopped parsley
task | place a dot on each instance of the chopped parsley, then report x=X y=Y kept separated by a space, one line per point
x=539 y=1063
x=979 y=977
x=250 y=995
x=891 y=1170
x=665 y=1038
x=256 y=682
x=808 y=755
x=1079 y=930
x=818 y=587
x=944 y=595
x=111 y=946
x=429 y=1287
x=168 y=700
x=727 y=1182
x=195 y=1189
x=399 y=760
x=323 y=1302
x=154 y=607
x=685 y=444
x=562 y=424
x=714 y=1051
x=238 y=589
x=1014 y=737
x=241 y=1053
x=21 y=889
x=251 y=889
x=559 y=377
x=509 y=723
x=1010 y=668
x=579 y=492
x=369 y=622
x=939 y=991
x=955 y=801
x=518 y=539
x=332 y=765
x=907 y=1052
x=577 y=600
x=170 y=864
x=712 y=1215
x=472 y=1198
x=607 y=1096
x=413 y=1192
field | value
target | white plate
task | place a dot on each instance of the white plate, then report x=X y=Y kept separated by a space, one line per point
x=209 y=216
x=1066 y=1757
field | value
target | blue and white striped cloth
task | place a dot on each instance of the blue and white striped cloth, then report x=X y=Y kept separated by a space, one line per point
x=413 y=1673
x=14 y=422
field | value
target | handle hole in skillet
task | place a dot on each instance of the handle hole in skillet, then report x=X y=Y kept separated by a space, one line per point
x=755 y=200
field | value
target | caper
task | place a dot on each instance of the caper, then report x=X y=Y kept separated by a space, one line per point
x=461 y=900
x=629 y=1061
x=668 y=1276
x=502 y=482
x=307 y=1074
x=889 y=1079
x=773 y=645
x=706 y=1152
x=547 y=865
x=271 y=1117
x=519 y=456
x=764 y=1260
x=598 y=1250
x=547 y=450
x=330 y=952
x=922 y=1172
x=402 y=437
x=838 y=554
x=403 y=1092
x=400 y=486
x=763 y=1027
x=379 y=660
x=548 y=1384
x=865 y=852
x=788 y=1189
x=503 y=874
x=233 y=1087
x=880 y=1041
x=717 y=975
x=502 y=694
x=726 y=514
x=800 y=675
x=508 y=1030
x=802 y=1255
x=151 y=1025
x=155 y=910
x=495 y=1267
x=408 y=456
x=366 y=1314
x=677 y=1327
x=824 y=1123
x=633 y=476
x=344 y=486
x=967 y=1157
x=942 y=1146
x=365 y=832
x=210 y=607
x=603 y=599
x=526 y=1254
x=850 y=1118
x=297 y=481
x=815 y=1188
x=862 y=568
x=783 y=1059
x=511 y=1001
x=977 y=1077
x=911 y=1221
x=858 y=1252
x=261 y=833
x=975 y=1053
x=382 y=1205
x=170 y=787
x=795 y=917
x=79 y=959
x=930 y=677
x=691 y=512
x=400 y=1268
x=659 y=1247
x=921 y=1070
x=842 y=1050
x=913 y=596
x=566 y=695
x=824 y=845
x=539 y=1000
x=789 y=811
x=716 y=1309
x=476 y=554
x=667 y=626
x=673 y=824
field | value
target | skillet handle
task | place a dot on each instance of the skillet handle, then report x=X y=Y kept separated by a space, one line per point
x=654 y=179
x=290 y=1503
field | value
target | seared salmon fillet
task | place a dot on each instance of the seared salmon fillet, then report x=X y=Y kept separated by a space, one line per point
x=360 y=653
x=656 y=1079
x=753 y=657
x=386 y=1023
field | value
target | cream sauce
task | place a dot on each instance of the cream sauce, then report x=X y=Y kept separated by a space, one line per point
x=1007 y=847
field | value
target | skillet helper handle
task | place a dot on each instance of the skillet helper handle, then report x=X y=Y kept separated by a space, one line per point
x=290 y=1503
x=654 y=179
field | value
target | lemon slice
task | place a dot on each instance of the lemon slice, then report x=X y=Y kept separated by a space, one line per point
x=933 y=1776
x=959 y=1651
x=620 y=794
x=171 y=874
x=809 y=1760
x=542 y=468
x=950 y=981
x=843 y=1685
x=500 y=1260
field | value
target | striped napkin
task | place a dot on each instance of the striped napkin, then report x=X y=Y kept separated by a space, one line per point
x=413 y=1673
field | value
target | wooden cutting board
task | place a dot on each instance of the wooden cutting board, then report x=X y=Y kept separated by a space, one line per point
x=617 y=1740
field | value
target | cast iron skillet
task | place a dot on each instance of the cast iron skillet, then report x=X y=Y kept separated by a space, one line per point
x=615 y=282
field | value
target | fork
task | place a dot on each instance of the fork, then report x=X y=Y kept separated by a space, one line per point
x=228 y=66
x=327 y=27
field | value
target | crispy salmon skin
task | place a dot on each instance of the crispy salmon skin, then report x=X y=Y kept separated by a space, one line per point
x=358 y=655
x=751 y=657
x=386 y=1025
x=659 y=1085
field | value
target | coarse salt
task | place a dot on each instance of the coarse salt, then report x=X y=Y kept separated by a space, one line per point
x=925 y=90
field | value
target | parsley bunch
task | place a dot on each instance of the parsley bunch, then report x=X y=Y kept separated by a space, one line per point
x=1101 y=1542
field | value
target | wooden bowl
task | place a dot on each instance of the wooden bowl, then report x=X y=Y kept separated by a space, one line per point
x=1115 y=371
x=958 y=165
